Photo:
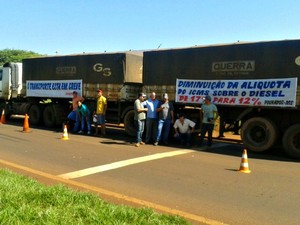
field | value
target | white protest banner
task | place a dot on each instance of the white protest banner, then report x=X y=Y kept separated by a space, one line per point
x=53 y=88
x=258 y=92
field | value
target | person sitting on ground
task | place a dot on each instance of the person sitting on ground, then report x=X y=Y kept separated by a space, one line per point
x=84 y=115
x=183 y=128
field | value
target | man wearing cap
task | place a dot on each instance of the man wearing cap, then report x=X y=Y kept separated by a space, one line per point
x=165 y=111
x=139 y=118
x=101 y=106
x=210 y=113
x=73 y=115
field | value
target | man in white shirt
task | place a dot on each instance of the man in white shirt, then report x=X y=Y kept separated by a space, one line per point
x=183 y=128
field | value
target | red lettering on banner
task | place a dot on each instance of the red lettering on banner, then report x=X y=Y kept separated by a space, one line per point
x=183 y=98
x=224 y=100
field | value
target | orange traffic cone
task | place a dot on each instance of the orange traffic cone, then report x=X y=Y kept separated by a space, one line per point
x=3 y=120
x=26 y=124
x=65 y=134
x=244 y=167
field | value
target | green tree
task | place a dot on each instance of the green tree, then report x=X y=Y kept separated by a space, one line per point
x=14 y=55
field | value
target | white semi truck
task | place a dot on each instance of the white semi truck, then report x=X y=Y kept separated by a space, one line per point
x=42 y=87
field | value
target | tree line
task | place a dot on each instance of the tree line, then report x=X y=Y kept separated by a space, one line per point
x=15 y=55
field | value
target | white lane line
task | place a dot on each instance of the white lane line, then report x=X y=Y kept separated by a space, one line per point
x=115 y=195
x=115 y=165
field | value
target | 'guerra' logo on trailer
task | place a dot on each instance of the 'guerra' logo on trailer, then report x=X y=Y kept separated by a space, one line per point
x=234 y=66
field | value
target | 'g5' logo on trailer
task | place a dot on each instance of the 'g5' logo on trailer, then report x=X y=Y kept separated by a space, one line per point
x=297 y=60
x=98 y=67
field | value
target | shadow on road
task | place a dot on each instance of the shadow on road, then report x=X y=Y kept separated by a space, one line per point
x=234 y=147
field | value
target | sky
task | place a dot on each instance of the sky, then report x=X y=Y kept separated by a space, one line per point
x=61 y=27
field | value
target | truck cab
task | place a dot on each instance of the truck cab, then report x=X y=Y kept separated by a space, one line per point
x=10 y=81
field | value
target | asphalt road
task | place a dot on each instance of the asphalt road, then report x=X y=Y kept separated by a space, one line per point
x=203 y=186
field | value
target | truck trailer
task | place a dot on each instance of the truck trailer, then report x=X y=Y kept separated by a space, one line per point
x=42 y=87
x=256 y=87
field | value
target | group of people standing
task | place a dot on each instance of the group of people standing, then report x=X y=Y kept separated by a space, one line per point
x=158 y=117
x=81 y=114
x=154 y=115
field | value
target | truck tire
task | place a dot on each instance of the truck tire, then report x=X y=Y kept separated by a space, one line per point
x=291 y=141
x=35 y=115
x=130 y=128
x=49 y=116
x=61 y=113
x=259 y=134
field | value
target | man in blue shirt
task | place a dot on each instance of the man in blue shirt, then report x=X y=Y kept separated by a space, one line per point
x=152 y=118
x=210 y=114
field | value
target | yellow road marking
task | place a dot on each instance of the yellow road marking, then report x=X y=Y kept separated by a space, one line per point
x=115 y=165
x=199 y=219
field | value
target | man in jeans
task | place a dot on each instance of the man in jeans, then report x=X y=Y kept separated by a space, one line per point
x=73 y=115
x=210 y=113
x=101 y=106
x=151 y=119
x=84 y=114
x=139 y=118
x=165 y=119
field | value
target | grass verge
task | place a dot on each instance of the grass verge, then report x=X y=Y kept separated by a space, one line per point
x=24 y=201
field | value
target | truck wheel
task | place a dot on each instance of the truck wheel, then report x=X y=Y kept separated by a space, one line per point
x=49 y=116
x=35 y=115
x=130 y=128
x=291 y=141
x=259 y=134
x=60 y=112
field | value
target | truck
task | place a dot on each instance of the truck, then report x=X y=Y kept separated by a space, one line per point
x=42 y=87
x=255 y=85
